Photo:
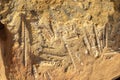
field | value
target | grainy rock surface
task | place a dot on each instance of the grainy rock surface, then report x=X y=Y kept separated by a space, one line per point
x=59 y=39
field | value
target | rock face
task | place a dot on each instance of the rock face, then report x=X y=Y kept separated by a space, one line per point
x=59 y=39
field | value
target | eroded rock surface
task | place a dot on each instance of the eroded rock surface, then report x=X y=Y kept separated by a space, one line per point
x=60 y=39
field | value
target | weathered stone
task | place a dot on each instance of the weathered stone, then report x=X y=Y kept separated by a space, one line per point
x=59 y=39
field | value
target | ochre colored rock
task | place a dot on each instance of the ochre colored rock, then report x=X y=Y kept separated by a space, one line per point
x=59 y=39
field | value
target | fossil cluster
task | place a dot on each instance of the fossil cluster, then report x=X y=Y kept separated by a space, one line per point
x=58 y=39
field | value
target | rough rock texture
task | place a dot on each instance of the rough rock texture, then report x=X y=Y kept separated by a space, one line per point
x=60 y=39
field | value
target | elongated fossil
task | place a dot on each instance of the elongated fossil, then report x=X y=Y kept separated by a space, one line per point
x=86 y=41
x=97 y=39
x=70 y=54
x=25 y=40
x=107 y=25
